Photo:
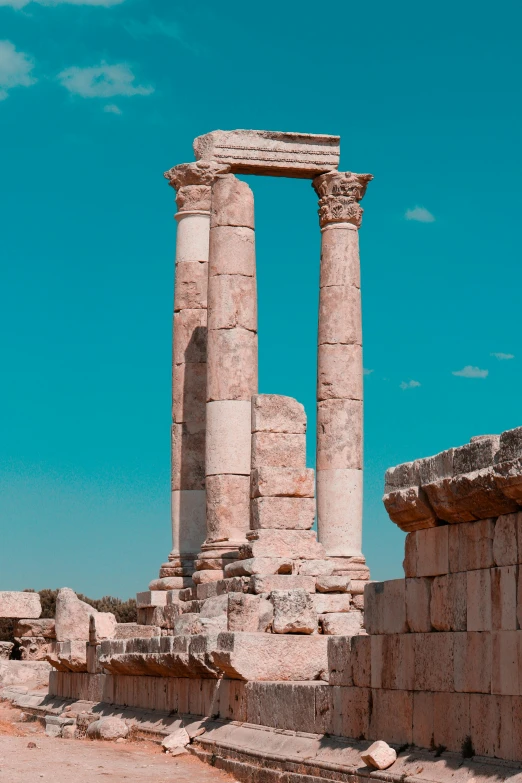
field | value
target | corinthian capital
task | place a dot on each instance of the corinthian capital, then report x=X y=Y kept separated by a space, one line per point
x=339 y=195
x=192 y=182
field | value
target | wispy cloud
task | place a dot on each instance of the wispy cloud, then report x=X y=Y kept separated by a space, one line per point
x=154 y=26
x=15 y=69
x=420 y=214
x=367 y=372
x=111 y=108
x=102 y=81
x=22 y=3
x=503 y=356
x=471 y=372
x=409 y=385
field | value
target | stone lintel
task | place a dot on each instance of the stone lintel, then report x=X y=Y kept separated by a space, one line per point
x=272 y=153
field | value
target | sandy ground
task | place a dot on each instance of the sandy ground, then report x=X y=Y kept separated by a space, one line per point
x=84 y=761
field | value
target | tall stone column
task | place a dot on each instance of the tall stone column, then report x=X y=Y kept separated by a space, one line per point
x=232 y=372
x=192 y=181
x=340 y=372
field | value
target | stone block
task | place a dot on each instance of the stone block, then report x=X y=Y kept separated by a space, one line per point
x=325 y=603
x=320 y=568
x=278 y=414
x=351 y=711
x=479 y=600
x=228 y=507
x=232 y=302
x=432 y=551
x=282 y=513
x=468 y=497
x=491 y=725
x=510 y=446
x=451 y=720
x=340 y=664
x=190 y=292
x=397 y=671
x=392 y=716
x=294 y=612
x=243 y=612
x=18 y=605
x=340 y=264
x=274 y=153
x=332 y=584
x=418 y=594
x=423 y=735
x=232 y=203
x=278 y=450
x=235 y=350
x=508 y=479
x=409 y=508
x=135 y=631
x=474 y=547
x=448 y=610
x=232 y=251
x=296 y=544
x=434 y=668
x=282 y=482
x=28 y=627
x=339 y=372
x=188 y=512
x=340 y=315
x=504 y=598
x=506 y=662
x=379 y=755
x=272 y=657
x=476 y=455
x=505 y=550
x=150 y=598
x=361 y=660
x=339 y=497
x=409 y=563
x=358 y=602
x=402 y=476
x=339 y=423
x=190 y=336
x=192 y=237
x=266 y=583
x=259 y=565
x=341 y=623
x=385 y=607
x=189 y=392
x=188 y=456
x=206 y=576
x=228 y=437
x=73 y=618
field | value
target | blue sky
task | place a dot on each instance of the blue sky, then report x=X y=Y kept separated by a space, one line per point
x=97 y=99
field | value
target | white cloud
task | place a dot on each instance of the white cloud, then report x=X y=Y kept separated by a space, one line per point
x=111 y=108
x=22 y=3
x=502 y=356
x=102 y=81
x=367 y=372
x=15 y=69
x=420 y=214
x=471 y=372
x=409 y=385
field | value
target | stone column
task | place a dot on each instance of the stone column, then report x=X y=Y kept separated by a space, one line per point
x=232 y=371
x=340 y=372
x=192 y=181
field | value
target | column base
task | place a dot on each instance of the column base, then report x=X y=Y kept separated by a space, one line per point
x=353 y=566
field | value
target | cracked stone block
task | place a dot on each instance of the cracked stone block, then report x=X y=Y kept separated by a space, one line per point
x=294 y=612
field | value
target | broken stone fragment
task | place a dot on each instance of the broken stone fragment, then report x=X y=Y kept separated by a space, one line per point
x=468 y=497
x=332 y=584
x=243 y=612
x=108 y=729
x=294 y=612
x=43 y=628
x=72 y=619
x=379 y=755
x=176 y=742
x=341 y=623
x=410 y=509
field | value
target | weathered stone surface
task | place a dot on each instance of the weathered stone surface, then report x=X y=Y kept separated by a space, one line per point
x=228 y=438
x=432 y=551
x=385 y=607
x=228 y=507
x=473 y=548
x=277 y=413
x=34 y=648
x=448 y=602
x=266 y=583
x=188 y=517
x=232 y=203
x=508 y=479
x=340 y=263
x=418 y=594
x=478 y=600
x=170 y=583
x=505 y=550
x=320 y=568
x=107 y=729
x=232 y=251
x=479 y=453
x=379 y=755
x=189 y=392
x=243 y=612
x=504 y=598
x=188 y=623
x=190 y=336
x=296 y=544
x=136 y=631
x=266 y=615
x=25 y=674
x=332 y=602
x=341 y=623
x=293 y=612
x=332 y=584
x=72 y=619
x=28 y=627
x=259 y=565
x=235 y=349
x=282 y=513
x=340 y=425
x=339 y=512
x=191 y=285
x=340 y=315
x=468 y=497
x=5 y=650
x=272 y=153
x=472 y=655
x=188 y=456
x=176 y=741
x=149 y=598
x=275 y=657
x=68 y=656
x=433 y=662
x=278 y=450
x=193 y=230
x=283 y=482
x=232 y=302
x=410 y=509
x=17 y=604
x=339 y=372
x=206 y=576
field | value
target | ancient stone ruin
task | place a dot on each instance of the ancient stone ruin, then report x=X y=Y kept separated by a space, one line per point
x=262 y=642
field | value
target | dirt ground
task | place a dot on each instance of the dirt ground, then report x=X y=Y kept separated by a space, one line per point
x=84 y=761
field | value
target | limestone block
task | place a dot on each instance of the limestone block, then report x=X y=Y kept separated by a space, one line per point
x=228 y=437
x=274 y=153
x=409 y=563
x=431 y=469
x=339 y=498
x=358 y=602
x=506 y=660
x=491 y=725
x=5 y=650
x=433 y=662
x=340 y=315
x=204 y=577
x=190 y=336
x=266 y=615
x=391 y=716
x=474 y=546
x=228 y=507
x=70 y=656
x=402 y=476
x=192 y=238
x=168 y=570
x=385 y=607
x=20 y=605
x=418 y=595
x=135 y=631
x=266 y=583
x=189 y=392
x=272 y=657
x=510 y=446
x=479 y=600
x=325 y=603
x=150 y=598
x=432 y=551
x=508 y=479
x=423 y=732
x=188 y=456
x=294 y=611
x=283 y=513
x=28 y=627
x=232 y=302
x=296 y=544
x=108 y=729
x=170 y=583
x=188 y=512
x=476 y=455
x=176 y=741
x=340 y=654
x=361 y=660
x=339 y=372
x=332 y=584
x=191 y=284
x=379 y=755
x=72 y=619
x=451 y=720
x=505 y=551
x=277 y=413
x=410 y=509
x=259 y=565
x=232 y=364
x=278 y=450
x=232 y=203
x=318 y=568
x=448 y=610
x=232 y=251
x=340 y=263
x=468 y=496
x=216 y=606
x=243 y=612
x=188 y=623
x=339 y=443
x=392 y=661
x=504 y=598
x=282 y=482
x=341 y=623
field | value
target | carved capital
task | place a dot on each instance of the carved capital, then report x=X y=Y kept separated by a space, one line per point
x=192 y=181
x=339 y=195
